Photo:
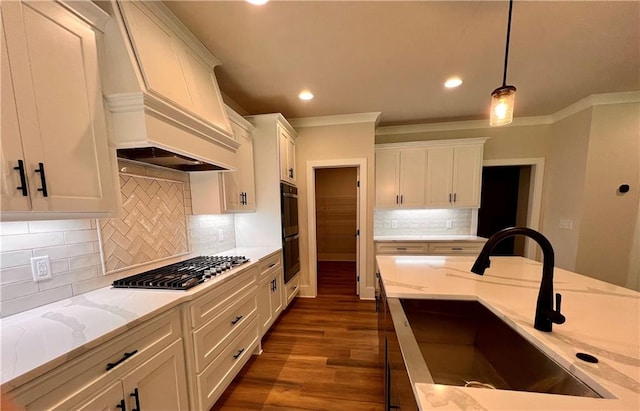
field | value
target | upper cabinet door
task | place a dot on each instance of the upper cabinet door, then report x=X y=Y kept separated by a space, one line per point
x=287 y=149
x=440 y=170
x=413 y=170
x=387 y=178
x=14 y=193
x=53 y=59
x=467 y=176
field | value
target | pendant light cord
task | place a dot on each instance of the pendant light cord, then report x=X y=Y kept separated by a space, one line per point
x=506 y=52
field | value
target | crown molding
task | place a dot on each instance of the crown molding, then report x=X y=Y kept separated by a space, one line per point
x=585 y=103
x=596 y=100
x=372 y=117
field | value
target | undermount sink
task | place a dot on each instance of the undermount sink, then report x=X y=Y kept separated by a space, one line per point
x=465 y=344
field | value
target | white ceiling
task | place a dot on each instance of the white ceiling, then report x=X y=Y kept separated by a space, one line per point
x=394 y=56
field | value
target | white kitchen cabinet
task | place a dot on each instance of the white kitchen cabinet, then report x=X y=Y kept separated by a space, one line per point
x=221 y=332
x=148 y=358
x=454 y=176
x=216 y=192
x=271 y=292
x=287 y=144
x=157 y=384
x=55 y=153
x=400 y=178
x=239 y=186
x=429 y=247
x=429 y=174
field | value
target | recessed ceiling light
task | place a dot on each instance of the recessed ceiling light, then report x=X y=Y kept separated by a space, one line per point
x=305 y=95
x=453 y=82
x=258 y=2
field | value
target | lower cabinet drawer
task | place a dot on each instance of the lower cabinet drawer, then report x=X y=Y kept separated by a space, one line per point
x=401 y=248
x=218 y=375
x=213 y=337
x=455 y=248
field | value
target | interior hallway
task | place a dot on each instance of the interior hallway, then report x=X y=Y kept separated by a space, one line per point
x=321 y=354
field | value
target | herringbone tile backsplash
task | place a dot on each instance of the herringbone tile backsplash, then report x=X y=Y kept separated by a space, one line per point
x=153 y=226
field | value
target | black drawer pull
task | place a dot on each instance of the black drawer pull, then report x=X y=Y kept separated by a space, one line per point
x=238 y=318
x=238 y=354
x=272 y=265
x=401 y=248
x=124 y=358
x=457 y=248
x=137 y=397
x=122 y=405
x=23 y=178
x=43 y=179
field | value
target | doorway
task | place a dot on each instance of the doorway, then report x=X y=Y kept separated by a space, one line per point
x=365 y=282
x=336 y=196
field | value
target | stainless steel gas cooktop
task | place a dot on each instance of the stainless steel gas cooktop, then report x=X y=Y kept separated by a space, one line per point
x=182 y=275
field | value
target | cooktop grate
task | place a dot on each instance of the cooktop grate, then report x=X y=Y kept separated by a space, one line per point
x=182 y=275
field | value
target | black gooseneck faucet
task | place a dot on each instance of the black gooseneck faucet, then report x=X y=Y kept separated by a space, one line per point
x=545 y=314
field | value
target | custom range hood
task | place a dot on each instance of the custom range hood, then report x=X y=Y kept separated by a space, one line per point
x=160 y=87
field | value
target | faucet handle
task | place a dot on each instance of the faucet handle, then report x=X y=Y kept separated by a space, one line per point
x=557 y=317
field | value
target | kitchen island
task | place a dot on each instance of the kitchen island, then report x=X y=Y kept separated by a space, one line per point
x=602 y=320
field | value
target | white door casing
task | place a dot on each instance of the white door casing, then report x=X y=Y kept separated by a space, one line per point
x=361 y=253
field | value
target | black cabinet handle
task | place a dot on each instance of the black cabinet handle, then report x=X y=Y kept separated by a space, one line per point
x=238 y=318
x=272 y=265
x=124 y=358
x=401 y=198
x=449 y=197
x=454 y=197
x=122 y=405
x=238 y=354
x=135 y=395
x=456 y=248
x=40 y=170
x=291 y=173
x=23 y=178
x=275 y=284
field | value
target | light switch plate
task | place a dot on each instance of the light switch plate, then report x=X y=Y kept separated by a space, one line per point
x=41 y=268
x=394 y=223
x=449 y=223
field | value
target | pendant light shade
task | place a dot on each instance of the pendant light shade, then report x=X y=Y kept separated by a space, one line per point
x=503 y=98
x=502 y=102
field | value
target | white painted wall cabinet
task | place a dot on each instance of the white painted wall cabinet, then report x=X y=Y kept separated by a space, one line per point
x=239 y=186
x=216 y=192
x=55 y=153
x=430 y=174
x=400 y=178
x=287 y=143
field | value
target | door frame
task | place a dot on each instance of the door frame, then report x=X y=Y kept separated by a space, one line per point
x=535 y=195
x=361 y=244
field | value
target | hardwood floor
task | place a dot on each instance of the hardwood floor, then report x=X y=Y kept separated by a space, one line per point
x=321 y=354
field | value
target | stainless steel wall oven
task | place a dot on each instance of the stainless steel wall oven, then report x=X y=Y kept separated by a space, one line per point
x=290 y=240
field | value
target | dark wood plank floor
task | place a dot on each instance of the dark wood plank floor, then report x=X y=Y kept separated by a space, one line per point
x=321 y=354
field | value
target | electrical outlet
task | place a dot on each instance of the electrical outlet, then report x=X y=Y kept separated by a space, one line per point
x=394 y=223
x=565 y=224
x=41 y=268
x=220 y=234
x=449 y=223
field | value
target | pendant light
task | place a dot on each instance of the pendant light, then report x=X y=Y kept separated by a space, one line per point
x=503 y=98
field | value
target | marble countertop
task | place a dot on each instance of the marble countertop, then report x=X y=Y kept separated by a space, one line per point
x=602 y=320
x=433 y=238
x=36 y=341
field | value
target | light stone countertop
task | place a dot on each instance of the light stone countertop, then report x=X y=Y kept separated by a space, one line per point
x=36 y=341
x=429 y=238
x=602 y=319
